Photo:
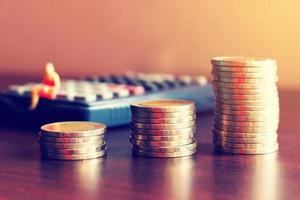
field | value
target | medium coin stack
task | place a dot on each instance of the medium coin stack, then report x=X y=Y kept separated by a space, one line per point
x=246 y=105
x=163 y=128
x=72 y=140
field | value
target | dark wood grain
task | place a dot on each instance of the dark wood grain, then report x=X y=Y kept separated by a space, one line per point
x=207 y=175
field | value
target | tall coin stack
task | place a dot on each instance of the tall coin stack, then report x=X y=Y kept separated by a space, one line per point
x=163 y=128
x=72 y=140
x=246 y=105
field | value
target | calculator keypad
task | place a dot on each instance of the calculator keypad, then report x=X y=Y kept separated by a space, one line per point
x=108 y=87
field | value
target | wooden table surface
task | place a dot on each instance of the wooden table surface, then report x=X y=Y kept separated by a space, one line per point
x=206 y=175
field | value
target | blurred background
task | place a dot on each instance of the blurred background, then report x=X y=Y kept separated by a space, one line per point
x=112 y=36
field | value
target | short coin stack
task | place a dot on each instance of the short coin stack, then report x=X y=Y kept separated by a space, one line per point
x=246 y=105
x=72 y=140
x=163 y=128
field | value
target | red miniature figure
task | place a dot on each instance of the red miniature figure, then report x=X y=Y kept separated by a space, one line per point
x=49 y=87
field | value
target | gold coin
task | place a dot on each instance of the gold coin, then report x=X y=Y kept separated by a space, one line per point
x=243 y=85
x=72 y=129
x=248 y=102
x=237 y=69
x=244 y=91
x=263 y=150
x=163 y=138
x=242 y=118
x=163 y=155
x=246 y=107
x=168 y=149
x=163 y=126
x=228 y=124
x=77 y=151
x=155 y=115
x=60 y=145
x=163 y=105
x=186 y=119
x=244 y=145
x=247 y=97
x=71 y=140
x=271 y=128
x=236 y=134
x=265 y=113
x=266 y=75
x=244 y=80
x=248 y=124
x=150 y=143
x=243 y=61
x=252 y=92
x=166 y=132
x=75 y=157
x=245 y=140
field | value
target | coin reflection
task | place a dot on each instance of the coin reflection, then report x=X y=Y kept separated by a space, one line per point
x=256 y=177
x=265 y=178
x=180 y=174
x=172 y=178
x=89 y=173
x=80 y=176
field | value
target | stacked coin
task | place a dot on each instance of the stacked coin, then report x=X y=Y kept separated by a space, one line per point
x=246 y=105
x=163 y=128
x=72 y=140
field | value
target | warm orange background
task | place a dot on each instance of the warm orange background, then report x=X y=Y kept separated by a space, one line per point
x=103 y=36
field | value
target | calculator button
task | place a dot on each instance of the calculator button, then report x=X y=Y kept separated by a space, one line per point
x=150 y=87
x=119 y=79
x=105 y=95
x=200 y=80
x=166 y=85
x=22 y=89
x=93 y=78
x=105 y=79
x=17 y=89
x=96 y=89
x=156 y=78
x=121 y=93
x=62 y=96
x=185 y=79
x=66 y=96
x=68 y=83
x=168 y=77
x=119 y=90
x=66 y=93
x=136 y=90
x=135 y=82
x=80 y=91
x=127 y=80
x=173 y=83
x=162 y=85
x=130 y=74
x=85 y=97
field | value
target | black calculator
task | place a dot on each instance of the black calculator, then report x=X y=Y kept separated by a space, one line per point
x=104 y=99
